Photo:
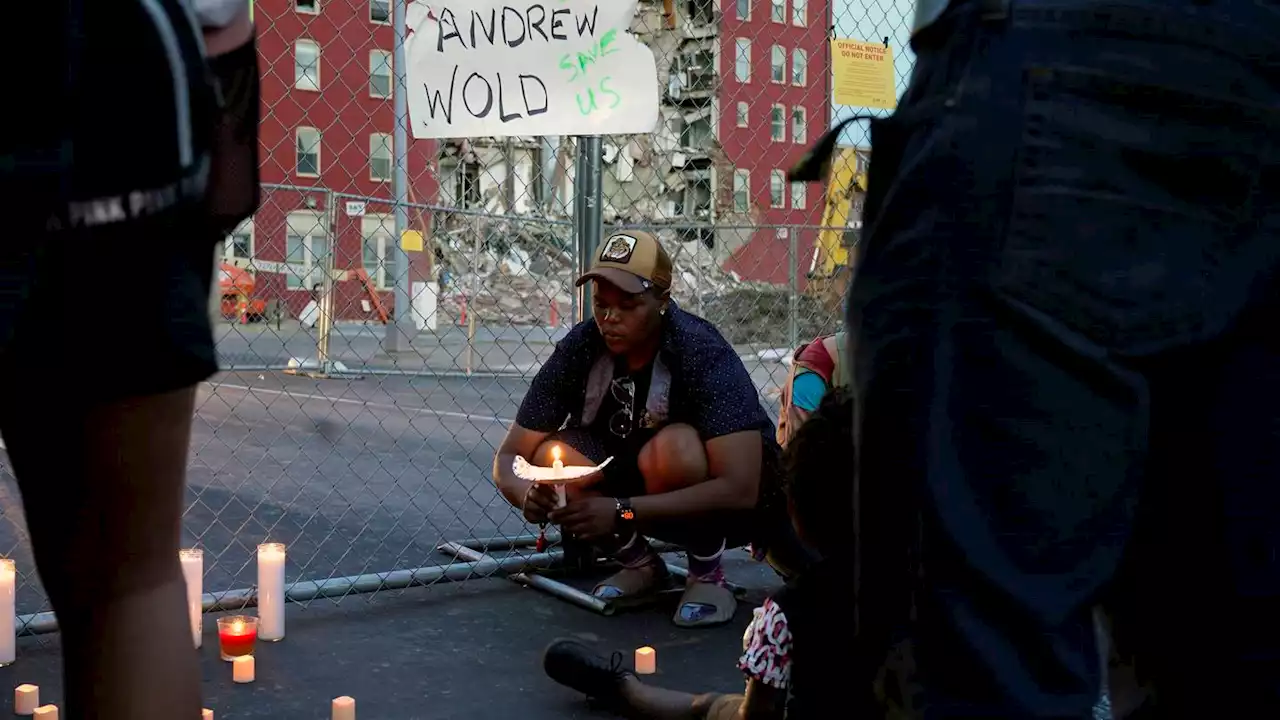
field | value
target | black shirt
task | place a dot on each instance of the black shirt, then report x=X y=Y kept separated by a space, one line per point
x=711 y=389
x=818 y=607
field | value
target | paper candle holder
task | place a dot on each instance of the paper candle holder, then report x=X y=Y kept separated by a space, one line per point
x=8 y=615
x=192 y=560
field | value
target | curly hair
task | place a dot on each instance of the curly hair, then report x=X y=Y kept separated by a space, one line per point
x=819 y=463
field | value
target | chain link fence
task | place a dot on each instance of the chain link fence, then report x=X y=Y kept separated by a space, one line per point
x=370 y=373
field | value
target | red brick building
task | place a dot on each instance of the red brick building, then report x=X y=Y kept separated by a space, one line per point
x=327 y=124
x=775 y=101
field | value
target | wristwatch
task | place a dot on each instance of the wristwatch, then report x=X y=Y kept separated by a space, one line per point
x=625 y=512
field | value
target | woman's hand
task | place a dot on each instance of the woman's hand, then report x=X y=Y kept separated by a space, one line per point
x=539 y=500
x=588 y=518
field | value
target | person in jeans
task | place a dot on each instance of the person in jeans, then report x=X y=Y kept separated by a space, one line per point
x=661 y=392
x=1066 y=360
x=794 y=649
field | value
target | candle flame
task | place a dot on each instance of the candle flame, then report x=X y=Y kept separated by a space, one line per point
x=237 y=627
x=555 y=453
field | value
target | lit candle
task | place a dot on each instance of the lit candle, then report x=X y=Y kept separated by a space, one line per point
x=558 y=466
x=242 y=669
x=26 y=698
x=206 y=714
x=46 y=712
x=8 y=580
x=344 y=708
x=193 y=572
x=646 y=661
x=271 y=591
x=236 y=636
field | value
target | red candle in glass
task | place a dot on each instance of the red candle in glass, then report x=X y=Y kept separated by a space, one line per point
x=237 y=635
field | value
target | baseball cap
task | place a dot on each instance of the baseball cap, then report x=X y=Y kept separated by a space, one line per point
x=633 y=260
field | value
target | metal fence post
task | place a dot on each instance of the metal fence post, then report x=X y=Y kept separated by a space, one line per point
x=401 y=327
x=588 y=208
x=324 y=303
x=793 y=300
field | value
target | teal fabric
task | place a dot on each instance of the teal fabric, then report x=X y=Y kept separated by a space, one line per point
x=807 y=391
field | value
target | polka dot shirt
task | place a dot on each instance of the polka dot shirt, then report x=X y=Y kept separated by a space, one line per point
x=711 y=389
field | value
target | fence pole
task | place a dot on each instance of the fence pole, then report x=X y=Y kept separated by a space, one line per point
x=401 y=327
x=793 y=302
x=324 y=303
x=588 y=205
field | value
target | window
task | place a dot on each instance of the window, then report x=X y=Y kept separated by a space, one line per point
x=380 y=11
x=697 y=133
x=306 y=248
x=798 y=130
x=379 y=73
x=799 y=67
x=744 y=9
x=310 y=7
x=777 y=64
x=778 y=11
x=799 y=13
x=741 y=190
x=799 y=196
x=308 y=152
x=778 y=123
x=239 y=244
x=306 y=65
x=379 y=157
x=378 y=254
x=744 y=114
x=742 y=60
x=777 y=189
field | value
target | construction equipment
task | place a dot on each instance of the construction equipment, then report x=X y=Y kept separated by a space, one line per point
x=236 y=286
x=830 y=267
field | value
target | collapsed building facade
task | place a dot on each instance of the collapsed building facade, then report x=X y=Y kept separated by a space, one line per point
x=741 y=82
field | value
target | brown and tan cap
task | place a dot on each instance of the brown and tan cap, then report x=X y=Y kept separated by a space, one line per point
x=633 y=260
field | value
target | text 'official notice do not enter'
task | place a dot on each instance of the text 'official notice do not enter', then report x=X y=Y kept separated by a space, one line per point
x=560 y=67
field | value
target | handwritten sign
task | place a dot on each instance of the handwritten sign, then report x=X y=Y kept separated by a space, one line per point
x=863 y=74
x=480 y=68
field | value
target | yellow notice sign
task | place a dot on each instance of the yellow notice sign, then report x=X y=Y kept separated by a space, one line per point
x=863 y=74
x=411 y=241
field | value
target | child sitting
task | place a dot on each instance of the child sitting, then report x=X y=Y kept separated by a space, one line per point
x=800 y=639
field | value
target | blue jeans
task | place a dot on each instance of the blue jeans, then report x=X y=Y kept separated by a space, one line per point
x=1066 y=344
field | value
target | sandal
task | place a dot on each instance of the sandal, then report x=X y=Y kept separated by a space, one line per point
x=633 y=585
x=705 y=604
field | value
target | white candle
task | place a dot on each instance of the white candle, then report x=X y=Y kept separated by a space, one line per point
x=344 y=708
x=8 y=637
x=206 y=714
x=26 y=698
x=46 y=712
x=558 y=466
x=193 y=572
x=242 y=669
x=646 y=661
x=271 y=591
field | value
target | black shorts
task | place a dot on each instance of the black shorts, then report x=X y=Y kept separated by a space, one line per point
x=102 y=314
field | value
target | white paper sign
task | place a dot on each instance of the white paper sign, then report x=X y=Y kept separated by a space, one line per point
x=355 y=208
x=480 y=68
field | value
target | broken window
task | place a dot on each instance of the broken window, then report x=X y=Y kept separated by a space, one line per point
x=702 y=12
x=698 y=197
x=466 y=191
x=697 y=133
x=778 y=123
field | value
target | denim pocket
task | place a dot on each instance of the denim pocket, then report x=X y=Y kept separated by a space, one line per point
x=1131 y=206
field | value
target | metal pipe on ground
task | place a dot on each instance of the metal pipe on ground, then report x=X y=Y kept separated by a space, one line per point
x=534 y=580
x=307 y=590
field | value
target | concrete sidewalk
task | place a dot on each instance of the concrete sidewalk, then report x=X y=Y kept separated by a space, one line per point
x=469 y=650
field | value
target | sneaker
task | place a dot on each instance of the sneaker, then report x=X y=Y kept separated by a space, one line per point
x=575 y=665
